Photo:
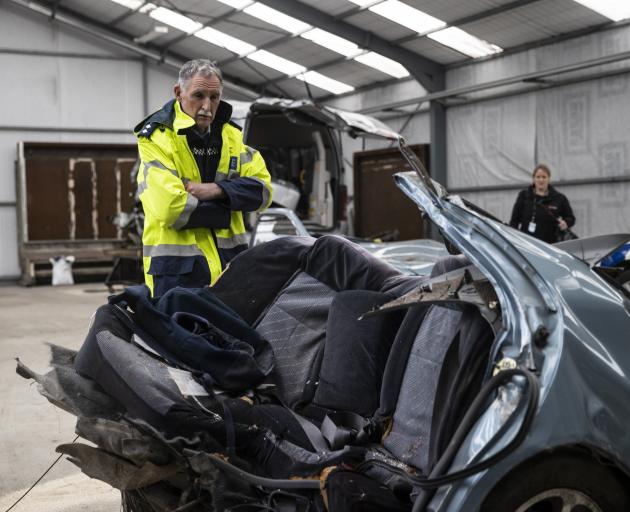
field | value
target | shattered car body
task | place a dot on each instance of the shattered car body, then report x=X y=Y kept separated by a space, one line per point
x=491 y=385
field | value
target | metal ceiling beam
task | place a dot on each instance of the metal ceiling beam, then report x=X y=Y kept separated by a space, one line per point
x=206 y=24
x=460 y=21
x=506 y=52
x=473 y=17
x=558 y=38
x=125 y=15
x=493 y=84
x=103 y=32
x=428 y=73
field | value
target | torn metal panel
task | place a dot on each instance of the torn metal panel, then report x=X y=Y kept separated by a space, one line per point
x=461 y=285
x=122 y=439
x=114 y=470
x=65 y=388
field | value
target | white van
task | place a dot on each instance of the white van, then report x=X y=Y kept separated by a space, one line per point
x=301 y=144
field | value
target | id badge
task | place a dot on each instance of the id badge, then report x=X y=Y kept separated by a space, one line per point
x=531 y=227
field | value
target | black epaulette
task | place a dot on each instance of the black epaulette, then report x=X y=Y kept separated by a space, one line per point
x=162 y=118
x=240 y=128
x=147 y=129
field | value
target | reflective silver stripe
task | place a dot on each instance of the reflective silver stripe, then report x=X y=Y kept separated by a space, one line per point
x=220 y=176
x=248 y=156
x=231 y=243
x=159 y=165
x=145 y=172
x=265 y=193
x=170 y=250
x=189 y=207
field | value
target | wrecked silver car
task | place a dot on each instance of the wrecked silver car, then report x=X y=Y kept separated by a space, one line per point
x=415 y=257
x=313 y=376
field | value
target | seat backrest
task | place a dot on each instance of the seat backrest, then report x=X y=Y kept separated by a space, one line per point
x=434 y=369
x=256 y=276
x=295 y=326
x=296 y=321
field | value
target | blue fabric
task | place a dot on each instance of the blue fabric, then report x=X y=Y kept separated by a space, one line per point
x=209 y=214
x=194 y=329
x=244 y=194
x=171 y=271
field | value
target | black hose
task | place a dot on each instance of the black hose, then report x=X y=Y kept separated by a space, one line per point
x=471 y=417
x=268 y=483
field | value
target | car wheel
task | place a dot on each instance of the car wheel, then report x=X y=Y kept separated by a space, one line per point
x=564 y=483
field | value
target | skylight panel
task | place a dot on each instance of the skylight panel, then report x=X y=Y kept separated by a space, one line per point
x=363 y=3
x=174 y=19
x=332 y=42
x=273 y=17
x=616 y=10
x=218 y=38
x=407 y=16
x=464 y=42
x=384 y=64
x=276 y=62
x=236 y=4
x=135 y=4
x=349 y=49
x=130 y=4
x=325 y=82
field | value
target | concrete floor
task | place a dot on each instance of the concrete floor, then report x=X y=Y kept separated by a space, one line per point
x=30 y=427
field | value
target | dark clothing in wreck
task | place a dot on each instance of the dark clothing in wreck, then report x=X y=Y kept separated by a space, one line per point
x=537 y=215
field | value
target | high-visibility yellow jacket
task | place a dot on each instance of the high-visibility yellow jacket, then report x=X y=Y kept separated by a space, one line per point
x=187 y=242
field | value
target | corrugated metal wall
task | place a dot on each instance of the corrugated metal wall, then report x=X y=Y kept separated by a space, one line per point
x=579 y=130
x=95 y=95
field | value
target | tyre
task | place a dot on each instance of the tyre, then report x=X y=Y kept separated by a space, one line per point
x=563 y=483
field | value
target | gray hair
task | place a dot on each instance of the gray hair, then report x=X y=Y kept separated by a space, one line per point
x=194 y=67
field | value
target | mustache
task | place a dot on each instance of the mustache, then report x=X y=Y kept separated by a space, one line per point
x=204 y=114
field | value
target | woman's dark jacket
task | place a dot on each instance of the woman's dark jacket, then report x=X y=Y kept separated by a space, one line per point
x=543 y=211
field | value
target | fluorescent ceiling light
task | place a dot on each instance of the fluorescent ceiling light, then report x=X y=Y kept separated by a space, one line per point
x=276 y=62
x=363 y=3
x=273 y=17
x=176 y=20
x=130 y=4
x=134 y=4
x=152 y=34
x=236 y=4
x=349 y=49
x=616 y=10
x=325 y=82
x=331 y=41
x=218 y=38
x=464 y=42
x=407 y=16
x=384 y=64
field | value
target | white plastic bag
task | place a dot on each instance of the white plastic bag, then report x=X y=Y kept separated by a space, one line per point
x=62 y=270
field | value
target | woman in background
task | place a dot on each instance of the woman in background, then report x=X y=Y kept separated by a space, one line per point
x=541 y=211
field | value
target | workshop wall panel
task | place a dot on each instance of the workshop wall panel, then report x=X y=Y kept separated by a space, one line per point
x=9 y=265
x=578 y=129
x=491 y=143
x=64 y=86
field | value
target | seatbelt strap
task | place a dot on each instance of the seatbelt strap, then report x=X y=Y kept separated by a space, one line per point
x=343 y=427
x=313 y=434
